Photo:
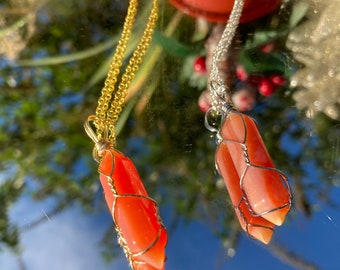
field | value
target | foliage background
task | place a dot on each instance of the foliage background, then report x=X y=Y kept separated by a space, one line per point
x=51 y=83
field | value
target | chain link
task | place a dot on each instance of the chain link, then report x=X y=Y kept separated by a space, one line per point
x=218 y=90
x=107 y=115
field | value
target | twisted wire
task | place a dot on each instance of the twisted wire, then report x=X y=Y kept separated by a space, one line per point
x=248 y=165
x=217 y=87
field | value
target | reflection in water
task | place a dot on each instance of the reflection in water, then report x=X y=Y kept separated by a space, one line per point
x=45 y=156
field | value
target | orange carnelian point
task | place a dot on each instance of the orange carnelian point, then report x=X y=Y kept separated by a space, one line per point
x=138 y=265
x=143 y=266
x=267 y=192
x=265 y=189
x=257 y=227
x=143 y=236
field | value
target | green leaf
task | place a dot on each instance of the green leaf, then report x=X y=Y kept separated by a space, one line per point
x=263 y=37
x=101 y=72
x=255 y=61
x=70 y=57
x=171 y=45
x=298 y=12
x=125 y=115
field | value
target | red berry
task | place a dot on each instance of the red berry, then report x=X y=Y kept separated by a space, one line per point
x=241 y=73
x=268 y=47
x=254 y=80
x=200 y=66
x=266 y=87
x=204 y=101
x=244 y=99
x=277 y=79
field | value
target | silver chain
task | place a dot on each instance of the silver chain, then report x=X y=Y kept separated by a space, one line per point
x=218 y=90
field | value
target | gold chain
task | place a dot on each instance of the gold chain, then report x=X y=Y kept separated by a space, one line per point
x=106 y=114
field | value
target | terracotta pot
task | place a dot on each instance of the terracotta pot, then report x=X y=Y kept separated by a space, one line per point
x=219 y=10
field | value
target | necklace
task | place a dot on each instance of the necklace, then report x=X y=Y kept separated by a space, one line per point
x=259 y=193
x=141 y=232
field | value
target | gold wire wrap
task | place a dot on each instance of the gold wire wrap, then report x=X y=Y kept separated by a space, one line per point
x=101 y=126
x=132 y=257
x=107 y=115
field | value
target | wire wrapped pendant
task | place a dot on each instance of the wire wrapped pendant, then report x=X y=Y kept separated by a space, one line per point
x=259 y=192
x=256 y=227
x=141 y=232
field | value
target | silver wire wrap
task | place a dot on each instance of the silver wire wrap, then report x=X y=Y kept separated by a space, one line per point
x=217 y=87
x=221 y=106
x=246 y=172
